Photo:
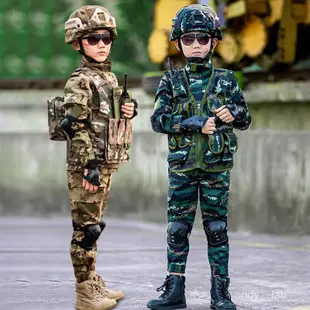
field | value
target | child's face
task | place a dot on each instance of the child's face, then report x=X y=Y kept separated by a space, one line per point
x=196 y=44
x=97 y=45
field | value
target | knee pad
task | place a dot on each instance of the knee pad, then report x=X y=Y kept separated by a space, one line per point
x=178 y=233
x=92 y=233
x=216 y=232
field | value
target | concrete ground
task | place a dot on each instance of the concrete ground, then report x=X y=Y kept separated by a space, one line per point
x=267 y=272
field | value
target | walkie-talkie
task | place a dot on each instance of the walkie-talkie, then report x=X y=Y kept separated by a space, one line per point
x=169 y=64
x=125 y=97
x=174 y=78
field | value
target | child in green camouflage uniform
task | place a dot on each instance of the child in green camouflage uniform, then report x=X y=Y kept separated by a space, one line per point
x=198 y=107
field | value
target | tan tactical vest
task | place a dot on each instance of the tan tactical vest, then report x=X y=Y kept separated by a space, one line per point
x=111 y=137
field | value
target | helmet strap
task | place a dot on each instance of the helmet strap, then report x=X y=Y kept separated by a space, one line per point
x=180 y=45
x=82 y=52
x=209 y=54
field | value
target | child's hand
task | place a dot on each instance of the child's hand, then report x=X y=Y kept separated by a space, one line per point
x=128 y=109
x=87 y=185
x=209 y=127
x=224 y=114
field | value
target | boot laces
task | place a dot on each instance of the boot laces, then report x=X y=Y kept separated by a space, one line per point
x=101 y=286
x=96 y=289
x=166 y=287
x=224 y=290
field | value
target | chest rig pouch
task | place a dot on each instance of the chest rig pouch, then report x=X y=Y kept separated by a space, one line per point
x=183 y=100
x=216 y=95
x=115 y=132
x=224 y=141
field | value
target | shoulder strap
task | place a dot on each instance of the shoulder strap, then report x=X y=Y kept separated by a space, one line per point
x=220 y=80
x=178 y=82
x=76 y=72
x=98 y=86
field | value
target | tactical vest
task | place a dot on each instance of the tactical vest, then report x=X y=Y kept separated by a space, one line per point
x=111 y=138
x=190 y=150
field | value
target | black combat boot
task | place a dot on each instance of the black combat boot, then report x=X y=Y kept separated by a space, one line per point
x=173 y=296
x=220 y=297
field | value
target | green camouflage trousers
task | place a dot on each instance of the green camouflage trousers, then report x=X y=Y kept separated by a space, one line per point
x=213 y=189
x=86 y=208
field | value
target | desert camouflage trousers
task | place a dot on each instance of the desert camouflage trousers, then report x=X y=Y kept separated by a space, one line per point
x=86 y=208
x=183 y=190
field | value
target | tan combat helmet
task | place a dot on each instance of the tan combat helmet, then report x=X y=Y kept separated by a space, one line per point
x=87 y=19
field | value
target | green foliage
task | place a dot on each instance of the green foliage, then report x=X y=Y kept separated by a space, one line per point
x=134 y=26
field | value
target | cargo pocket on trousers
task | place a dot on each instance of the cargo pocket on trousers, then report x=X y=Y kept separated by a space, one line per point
x=169 y=196
x=84 y=205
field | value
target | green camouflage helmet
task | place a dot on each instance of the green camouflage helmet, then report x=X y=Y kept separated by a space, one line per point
x=87 y=19
x=196 y=17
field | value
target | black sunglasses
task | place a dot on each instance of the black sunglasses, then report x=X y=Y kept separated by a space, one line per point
x=188 y=39
x=94 y=38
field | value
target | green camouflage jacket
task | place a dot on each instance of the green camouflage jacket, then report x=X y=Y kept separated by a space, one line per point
x=184 y=101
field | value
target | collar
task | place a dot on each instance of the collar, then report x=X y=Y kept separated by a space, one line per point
x=196 y=65
x=103 y=66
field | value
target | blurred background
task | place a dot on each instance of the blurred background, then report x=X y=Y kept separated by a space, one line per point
x=266 y=42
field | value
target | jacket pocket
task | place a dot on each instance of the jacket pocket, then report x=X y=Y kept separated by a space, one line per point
x=214 y=148
x=119 y=140
x=215 y=103
x=231 y=141
x=216 y=143
x=112 y=151
x=125 y=139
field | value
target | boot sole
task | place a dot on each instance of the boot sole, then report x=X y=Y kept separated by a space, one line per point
x=105 y=308
x=215 y=308
x=120 y=298
x=181 y=306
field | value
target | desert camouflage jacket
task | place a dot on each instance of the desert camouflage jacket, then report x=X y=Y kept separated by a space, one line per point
x=88 y=97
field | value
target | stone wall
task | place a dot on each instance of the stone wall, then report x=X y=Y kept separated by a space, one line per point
x=270 y=181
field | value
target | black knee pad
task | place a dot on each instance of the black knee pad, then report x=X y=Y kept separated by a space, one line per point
x=178 y=233
x=92 y=233
x=216 y=232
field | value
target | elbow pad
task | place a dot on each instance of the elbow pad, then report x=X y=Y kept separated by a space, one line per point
x=66 y=125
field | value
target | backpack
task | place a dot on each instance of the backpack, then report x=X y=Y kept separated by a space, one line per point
x=55 y=114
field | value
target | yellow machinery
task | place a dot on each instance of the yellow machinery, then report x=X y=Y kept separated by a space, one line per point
x=266 y=31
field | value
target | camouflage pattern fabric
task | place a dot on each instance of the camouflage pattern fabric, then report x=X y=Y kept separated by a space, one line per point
x=213 y=189
x=87 y=19
x=56 y=113
x=86 y=208
x=88 y=97
x=185 y=99
x=195 y=17
x=199 y=163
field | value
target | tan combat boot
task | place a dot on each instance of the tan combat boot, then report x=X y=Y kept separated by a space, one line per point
x=89 y=296
x=117 y=295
